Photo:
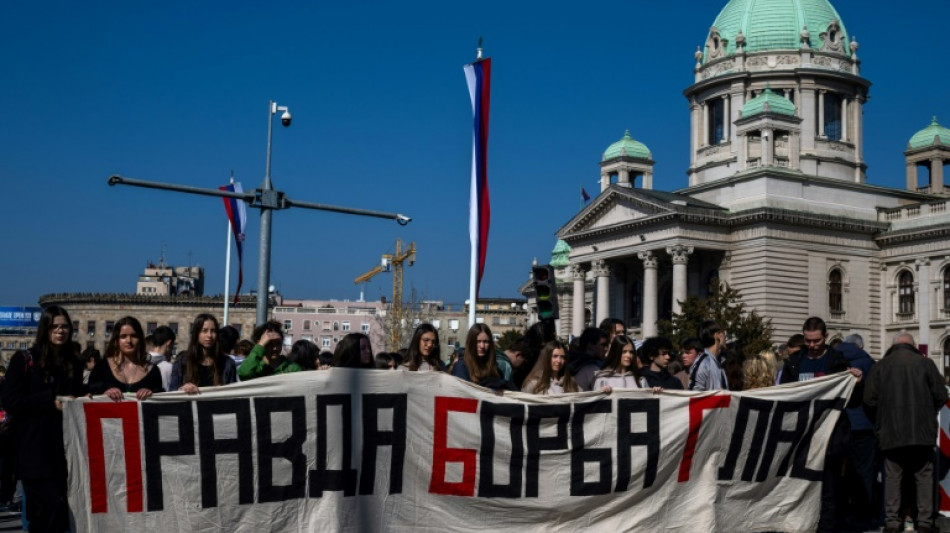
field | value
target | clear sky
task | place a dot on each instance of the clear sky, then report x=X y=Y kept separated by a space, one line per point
x=178 y=92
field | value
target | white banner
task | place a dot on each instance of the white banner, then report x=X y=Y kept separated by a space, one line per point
x=358 y=450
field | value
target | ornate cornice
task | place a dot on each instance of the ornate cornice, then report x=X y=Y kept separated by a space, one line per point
x=911 y=235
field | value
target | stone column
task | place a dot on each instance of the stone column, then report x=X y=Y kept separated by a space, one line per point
x=623 y=178
x=807 y=114
x=647 y=180
x=912 y=176
x=602 y=273
x=794 y=150
x=768 y=141
x=936 y=175
x=726 y=119
x=577 y=319
x=923 y=300
x=694 y=120
x=821 y=113
x=705 y=130
x=844 y=119
x=650 y=291
x=741 y=155
x=680 y=255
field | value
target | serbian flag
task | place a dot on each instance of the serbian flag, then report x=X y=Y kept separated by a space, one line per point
x=478 y=75
x=237 y=215
x=584 y=195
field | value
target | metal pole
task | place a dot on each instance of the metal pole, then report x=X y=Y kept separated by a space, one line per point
x=263 y=258
x=227 y=275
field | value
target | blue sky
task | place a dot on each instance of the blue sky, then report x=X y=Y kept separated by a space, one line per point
x=178 y=92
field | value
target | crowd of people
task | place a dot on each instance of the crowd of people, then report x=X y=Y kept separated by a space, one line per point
x=890 y=428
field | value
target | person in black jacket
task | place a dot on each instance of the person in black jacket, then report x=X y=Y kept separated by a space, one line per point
x=815 y=360
x=34 y=382
x=655 y=356
x=903 y=395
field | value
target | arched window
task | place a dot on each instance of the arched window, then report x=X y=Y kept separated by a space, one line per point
x=905 y=293
x=946 y=292
x=835 y=301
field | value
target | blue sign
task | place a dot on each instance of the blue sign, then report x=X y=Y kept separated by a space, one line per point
x=20 y=317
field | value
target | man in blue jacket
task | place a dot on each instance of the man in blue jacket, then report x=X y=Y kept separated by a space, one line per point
x=862 y=458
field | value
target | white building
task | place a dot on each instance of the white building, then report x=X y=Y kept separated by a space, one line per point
x=777 y=204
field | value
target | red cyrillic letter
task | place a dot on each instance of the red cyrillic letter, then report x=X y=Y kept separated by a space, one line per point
x=696 y=408
x=128 y=412
x=442 y=454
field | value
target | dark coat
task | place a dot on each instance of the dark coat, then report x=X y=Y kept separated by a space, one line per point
x=840 y=443
x=661 y=379
x=903 y=395
x=29 y=396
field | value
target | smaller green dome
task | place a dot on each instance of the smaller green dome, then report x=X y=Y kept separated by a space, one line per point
x=559 y=255
x=628 y=147
x=931 y=135
x=767 y=101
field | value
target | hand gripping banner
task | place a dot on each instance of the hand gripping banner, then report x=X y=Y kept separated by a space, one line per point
x=357 y=450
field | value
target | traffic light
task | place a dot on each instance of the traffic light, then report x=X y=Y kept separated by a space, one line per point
x=545 y=290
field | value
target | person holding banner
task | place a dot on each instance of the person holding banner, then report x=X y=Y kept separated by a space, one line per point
x=126 y=367
x=424 y=350
x=550 y=375
x=35 y=380
x=621 y=369
x=354 y=351
x=655 y=355
x=203 y=364
x=478 y=364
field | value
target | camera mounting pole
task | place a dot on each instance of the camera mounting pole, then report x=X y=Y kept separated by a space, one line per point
x=267 y=200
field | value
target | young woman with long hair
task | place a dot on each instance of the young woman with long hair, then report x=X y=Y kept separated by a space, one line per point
x=126 y=366
x=478 y=363
x=621 y=368
x=354 y=351
x=203 y=364
x=424 y=351
x=35 y=380
x=550 y=375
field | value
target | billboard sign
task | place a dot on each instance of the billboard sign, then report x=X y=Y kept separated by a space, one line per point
x=20 y=317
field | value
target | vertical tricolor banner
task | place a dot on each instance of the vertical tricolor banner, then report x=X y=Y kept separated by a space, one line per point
x=478 y=75
x=237 y=215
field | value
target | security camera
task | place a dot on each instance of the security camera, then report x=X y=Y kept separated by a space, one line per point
x=286 y=118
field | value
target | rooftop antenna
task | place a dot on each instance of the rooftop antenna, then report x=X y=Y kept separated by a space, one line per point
x=478 y=51
x=162 y=260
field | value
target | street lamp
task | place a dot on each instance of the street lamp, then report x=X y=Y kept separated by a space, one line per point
x=269 y=201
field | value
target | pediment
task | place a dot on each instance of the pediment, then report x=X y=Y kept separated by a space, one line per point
x=614 y=209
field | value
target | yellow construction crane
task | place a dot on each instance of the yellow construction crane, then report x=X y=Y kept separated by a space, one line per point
x=393 y=263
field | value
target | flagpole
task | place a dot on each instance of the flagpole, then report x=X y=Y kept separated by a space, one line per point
x=473 y=201
x=227 y=267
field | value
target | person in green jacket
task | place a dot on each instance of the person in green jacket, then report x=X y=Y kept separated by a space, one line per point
x=265 y=358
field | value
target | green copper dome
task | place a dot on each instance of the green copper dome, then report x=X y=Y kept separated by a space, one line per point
x=768 y=101
x=559 y=256
x=627 y=146
x=779 y=25
x=925 y=137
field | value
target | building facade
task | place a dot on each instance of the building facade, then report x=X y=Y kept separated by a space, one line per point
x=94 y=314
x=778 y=205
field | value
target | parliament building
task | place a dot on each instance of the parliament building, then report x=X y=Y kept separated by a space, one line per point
x=778 y=205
